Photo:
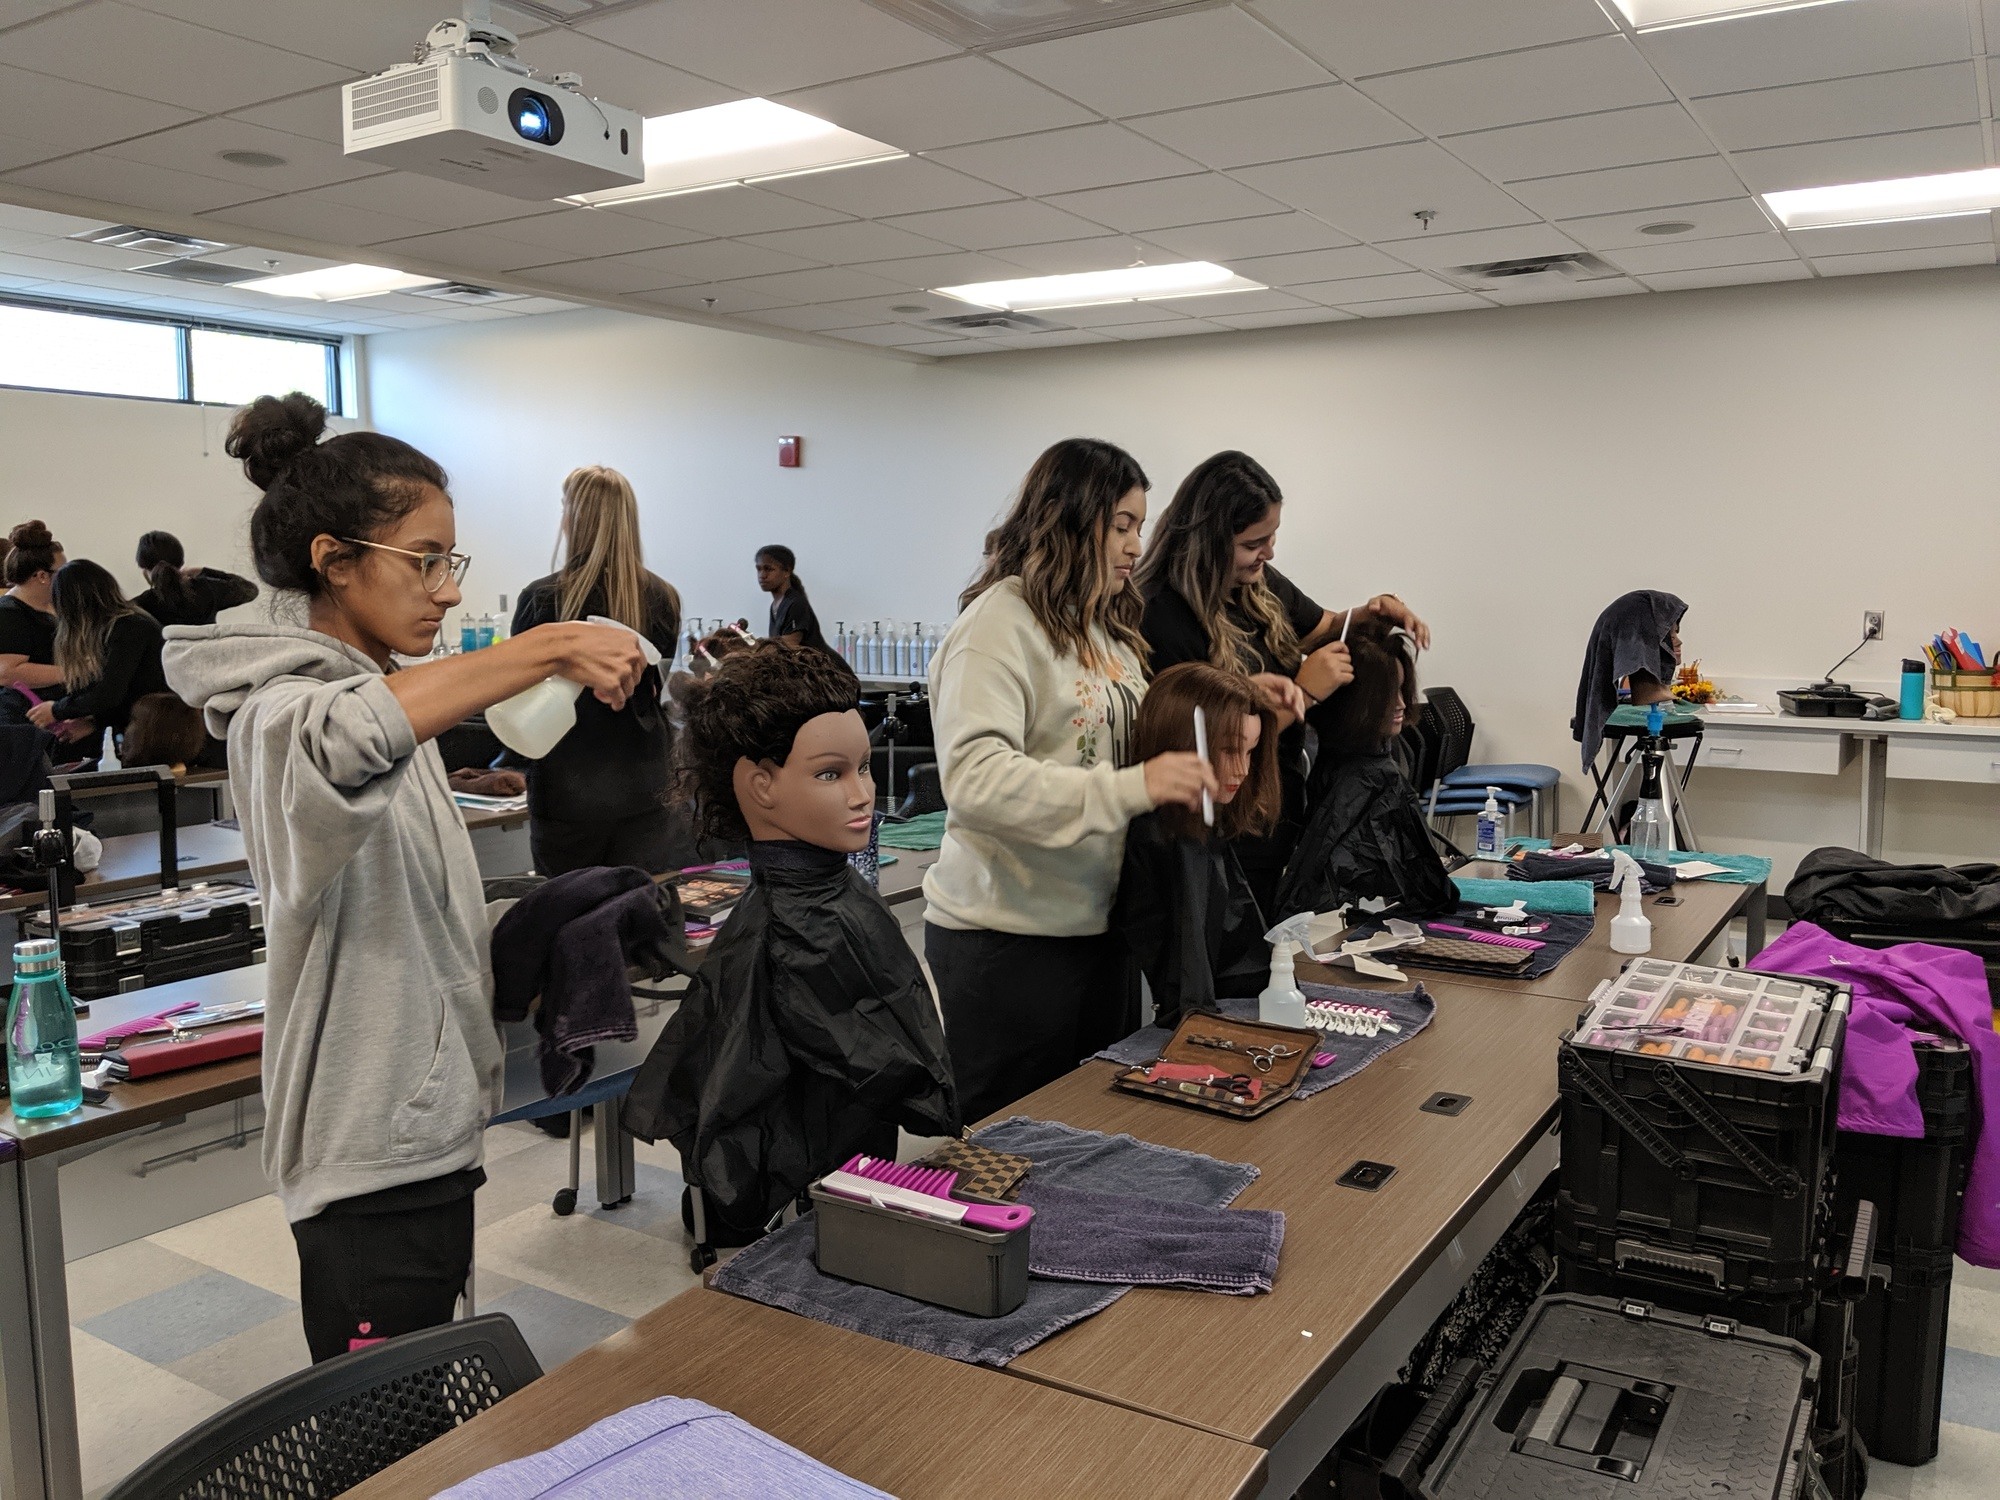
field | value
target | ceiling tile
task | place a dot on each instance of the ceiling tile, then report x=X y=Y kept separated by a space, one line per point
x=1374 y=194
x=1572 y=79
x=1908 y=234
x=430 y=200
x=1797 y=46
x=16 y=151
x=1685 y=281
x=732 y=210
x=14 y=12
x=717 y=260
x=1176 y=200
x=1405 y=307
x=769 y=46
x=568 y=233
x=1440 y=251
x=1583 y=143
x=1113 y=314
x=621 y=77
x=1354 y=291
x=1181 y=328
x=995 y=226
x=1916 y=153
x=1235 y=302
x=1691 y=255
x=1197 y=58
x=1614 y=231
x=805 y=319
x=1913 y=99
x=1064 y=257
x=474 y=249
x=943 y=270
x=363 y=35
x=155 y=57
x=130 y=184
x=1318 y=265
x=1306 y=122
x=1541 y=289
x=198 y=148
x=940 y=104
x=895 y=336
x=1053 y=339
x=712 y=297
x=315 y=113
x=829 y=284
x=1061 y=161
x=75 y=116
x=845 y=244
x=312 y=217
x=614 y=274
x=876 y=189
x=959 y=348
x=1295 y=318
x=35 y=223
x=1623 y=189
x=863 y=312
x=1269 y=234
x=1356 y=37
x=1876 y=261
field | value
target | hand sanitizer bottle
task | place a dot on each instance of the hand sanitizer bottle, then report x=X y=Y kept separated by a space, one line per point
x=1492 y=838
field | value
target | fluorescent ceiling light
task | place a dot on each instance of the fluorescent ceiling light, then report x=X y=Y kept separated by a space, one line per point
x=1939 y=197
x=751 y=140
x=1194 y=278
x=339 y=283
x=1662 y=15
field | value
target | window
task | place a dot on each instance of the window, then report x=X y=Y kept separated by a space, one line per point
x=60 y=348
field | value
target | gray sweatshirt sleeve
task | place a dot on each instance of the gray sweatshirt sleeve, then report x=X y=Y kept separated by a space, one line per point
x=319 y=763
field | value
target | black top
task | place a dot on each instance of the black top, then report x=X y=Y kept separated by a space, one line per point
x=206 y=595
x=1366 y=837
x=27 y=631
x=792 y=614
x=807 y=1035
x=131 y=670
x=1186 y=914
x=616 y=763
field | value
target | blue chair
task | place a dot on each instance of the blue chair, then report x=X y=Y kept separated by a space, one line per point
x=1458 y=788
x=1524 y=780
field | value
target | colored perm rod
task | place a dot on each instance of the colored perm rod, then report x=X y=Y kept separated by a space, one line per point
x=1344 y=1018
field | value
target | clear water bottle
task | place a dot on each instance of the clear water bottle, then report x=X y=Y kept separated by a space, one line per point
x=468 y=632
x=43 y=1074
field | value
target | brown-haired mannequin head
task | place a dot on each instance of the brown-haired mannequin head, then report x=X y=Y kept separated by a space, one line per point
x=776 y=750
x=1242 y=744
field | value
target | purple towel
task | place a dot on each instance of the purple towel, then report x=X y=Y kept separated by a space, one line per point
x=1127 y=1241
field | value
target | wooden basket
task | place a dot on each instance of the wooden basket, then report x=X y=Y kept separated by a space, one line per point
x=1970 y=695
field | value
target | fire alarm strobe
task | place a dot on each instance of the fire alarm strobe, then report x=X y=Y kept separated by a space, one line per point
x=788 y=452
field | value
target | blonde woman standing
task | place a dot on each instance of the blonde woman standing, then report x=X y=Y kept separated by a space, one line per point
x=1034 y=694
x=602 y=795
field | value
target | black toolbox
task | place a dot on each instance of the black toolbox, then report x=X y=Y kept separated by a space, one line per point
x=1597 y=1397
x=1918 y=1187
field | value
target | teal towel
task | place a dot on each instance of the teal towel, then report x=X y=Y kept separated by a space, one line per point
x=1571 y=897
x=924 y=831
x=1738 y=869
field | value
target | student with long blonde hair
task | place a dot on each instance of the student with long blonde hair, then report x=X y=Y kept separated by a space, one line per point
x=602 y=796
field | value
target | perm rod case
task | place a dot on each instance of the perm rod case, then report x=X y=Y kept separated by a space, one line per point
x=977 y=1271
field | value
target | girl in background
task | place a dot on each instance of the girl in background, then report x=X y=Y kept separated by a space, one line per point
x=27 y=617
x=792 y=617
x=179 y=595
x=107 y=650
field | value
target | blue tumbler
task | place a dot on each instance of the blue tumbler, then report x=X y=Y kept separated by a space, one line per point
x=1911 y=704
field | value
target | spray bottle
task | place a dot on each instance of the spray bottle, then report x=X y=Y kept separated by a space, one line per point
x=534 y=719
x=1631 y=929
x=1282 y=1004
x=1492 y=837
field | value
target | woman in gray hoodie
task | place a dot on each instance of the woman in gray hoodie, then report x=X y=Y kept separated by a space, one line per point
x=381 y=1062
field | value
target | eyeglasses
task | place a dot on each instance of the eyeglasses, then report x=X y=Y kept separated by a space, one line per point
x=434 y=566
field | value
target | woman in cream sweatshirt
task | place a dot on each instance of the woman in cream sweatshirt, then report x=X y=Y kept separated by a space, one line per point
x=1034 y=694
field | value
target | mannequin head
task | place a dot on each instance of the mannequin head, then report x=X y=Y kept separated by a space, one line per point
x=1364 y=717
x=1242 y=744
x=776 y=750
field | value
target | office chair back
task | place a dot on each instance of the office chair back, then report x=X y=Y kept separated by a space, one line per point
x=1447 y=710
x=322 y=1431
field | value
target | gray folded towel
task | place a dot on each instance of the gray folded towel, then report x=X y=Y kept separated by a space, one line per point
x=1112 y=1237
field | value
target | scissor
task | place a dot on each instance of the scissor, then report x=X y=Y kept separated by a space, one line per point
x=1260 y=1058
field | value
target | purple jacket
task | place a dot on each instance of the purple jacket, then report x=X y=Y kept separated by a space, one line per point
x=1897 y=991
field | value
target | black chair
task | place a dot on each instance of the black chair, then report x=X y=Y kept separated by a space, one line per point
x=324 y=1430
x=926 y=793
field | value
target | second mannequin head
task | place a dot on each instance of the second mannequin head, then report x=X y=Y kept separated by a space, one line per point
x=776 y=750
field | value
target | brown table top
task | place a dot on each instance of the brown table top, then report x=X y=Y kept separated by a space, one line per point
x=913 y=1424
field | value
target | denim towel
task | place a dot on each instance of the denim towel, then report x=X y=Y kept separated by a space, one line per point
x=1737 y=869
x=1412 y=1012
x=779 y=1270
x=670 y=1446
x=1574 y=897
x=1114 y=1237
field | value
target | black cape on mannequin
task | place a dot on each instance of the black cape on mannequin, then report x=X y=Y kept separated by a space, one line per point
x=1366 y=837
x=808 y=1035
x=1187 y=915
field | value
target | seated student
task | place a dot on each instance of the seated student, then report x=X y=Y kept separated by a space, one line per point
x=1366 y=834
x=179 y=595
x=1183 y=907
x=107 y=649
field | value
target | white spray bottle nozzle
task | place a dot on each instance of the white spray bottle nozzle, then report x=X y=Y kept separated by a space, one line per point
x=1282 y=1003
x=1631 y=929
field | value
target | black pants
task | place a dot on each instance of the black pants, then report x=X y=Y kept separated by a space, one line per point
x=655 y=842
x=369 y=1276
x=1020 y=1012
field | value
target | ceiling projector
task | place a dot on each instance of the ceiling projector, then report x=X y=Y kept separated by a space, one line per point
x=469 y=111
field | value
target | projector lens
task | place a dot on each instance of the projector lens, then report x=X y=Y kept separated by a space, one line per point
x=536 y=117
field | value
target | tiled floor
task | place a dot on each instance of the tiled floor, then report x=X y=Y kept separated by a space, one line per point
x=174 y=1327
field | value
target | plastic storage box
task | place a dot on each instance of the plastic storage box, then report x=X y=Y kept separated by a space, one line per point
x=134 y=942
x=1698 y=1119
x=1918 y=1187
x=1598 y=1398
x=975 y=1271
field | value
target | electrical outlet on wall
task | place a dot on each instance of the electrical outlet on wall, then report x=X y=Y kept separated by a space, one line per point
x=1871 y=625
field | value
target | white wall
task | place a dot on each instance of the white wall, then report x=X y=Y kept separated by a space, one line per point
x=1780 y=456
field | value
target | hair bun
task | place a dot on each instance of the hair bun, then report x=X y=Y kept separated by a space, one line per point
x=271 y=432
x=31 y=534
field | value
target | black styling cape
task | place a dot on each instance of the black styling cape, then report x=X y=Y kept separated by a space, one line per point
x=808 y=1030
x=1365 y=837
x=1187 y=916
x=1630 y=636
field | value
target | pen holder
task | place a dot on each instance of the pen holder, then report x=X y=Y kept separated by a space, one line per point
x=1970 y=695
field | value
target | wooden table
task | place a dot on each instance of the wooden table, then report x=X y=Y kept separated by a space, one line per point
x=913 y=1424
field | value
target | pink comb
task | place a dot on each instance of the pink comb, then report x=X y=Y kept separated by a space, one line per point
x=1497 y=939
x=921 y=1190
x=935 y=1181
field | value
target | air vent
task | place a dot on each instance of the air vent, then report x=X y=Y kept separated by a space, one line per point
x=465 y=292
x=393 y=99
x=1577 y=267
x=208 y=272
x=1004 y=23
x=1006 y=322
x=150 y=241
